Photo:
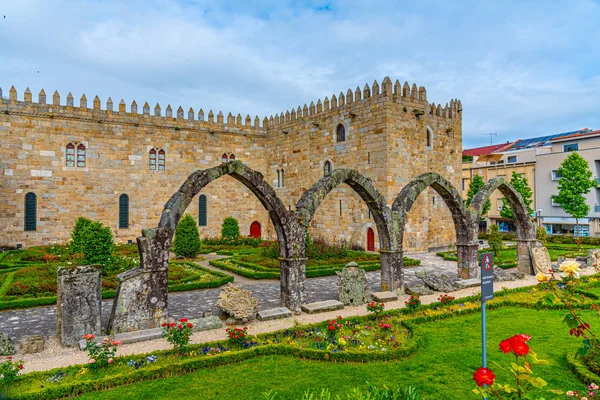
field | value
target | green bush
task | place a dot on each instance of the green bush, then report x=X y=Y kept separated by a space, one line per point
x=33 y=255
x=187 y=238
x=96 y=243
x=230 y=229
x=541 y=235
x=495 y=240
x=77 y=236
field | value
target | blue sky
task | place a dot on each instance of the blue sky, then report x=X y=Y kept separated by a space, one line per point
x=520 y=68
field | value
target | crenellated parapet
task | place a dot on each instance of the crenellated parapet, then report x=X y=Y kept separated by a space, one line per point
x=125 y=115
x=412 y=98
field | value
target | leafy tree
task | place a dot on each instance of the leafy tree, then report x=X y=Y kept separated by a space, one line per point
x=574 y=183
x=97 y=243
x=77 y=235
x=495 y=240
x=476 y=184
x=187 y=239
x=230 y=229
x=519 y=182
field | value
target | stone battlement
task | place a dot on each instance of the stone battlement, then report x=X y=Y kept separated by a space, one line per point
x=413 y=100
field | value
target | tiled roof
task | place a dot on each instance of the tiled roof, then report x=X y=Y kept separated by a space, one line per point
x=578 y=135
x=479 y=151
x=543 y=140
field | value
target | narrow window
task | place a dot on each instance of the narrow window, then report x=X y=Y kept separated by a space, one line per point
x=369 y=157
x=429 y=137
x=340 y=133
x=152 y=162
x=70 y=155
x=202 y=220
x=232 y=157
x=161 y=160
x=282 y=179
x=278 y=178
x=123 y=211
x=327 y=168
x=369 y=213
x=340 y=208
x=30 y=211
x=81 y=156
x=224 y=158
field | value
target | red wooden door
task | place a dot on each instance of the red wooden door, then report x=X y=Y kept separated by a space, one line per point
x=255 y=230
x=370 y=240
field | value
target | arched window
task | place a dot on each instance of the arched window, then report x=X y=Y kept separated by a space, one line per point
x=224 y=158
x=161 y=160
x=81 y=156
x=70 y=155
x=152 y=162
x=202 y=220
x=232 y=157
x=123 y=211
x=278 y=178
x=340 y=133
x=282 y=184
x=30 y=211
x=327 y=168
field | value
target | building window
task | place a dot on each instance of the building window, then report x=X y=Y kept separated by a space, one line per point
x=75 y=155
x=511 y=159
x=327 y=168
x=464 y=183
x=232 y=157
x=571 y=147
x=340 y=133
x=224 y=158
x=429 y=136
x=282 y=181
x=123 y=211
x=161 y=160
x=555 y=175
x=152 y=162
x=227 y=157
x=202 y=220
x=30 y=211
x=340 y=208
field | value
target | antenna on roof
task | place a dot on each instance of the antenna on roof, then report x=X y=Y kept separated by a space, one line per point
x=491 y=135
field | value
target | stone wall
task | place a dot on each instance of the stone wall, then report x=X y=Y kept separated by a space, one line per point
x=386 y=141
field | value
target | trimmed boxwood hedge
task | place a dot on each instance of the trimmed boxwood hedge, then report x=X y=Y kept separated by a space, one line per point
x=109 y=294
x=580 y=370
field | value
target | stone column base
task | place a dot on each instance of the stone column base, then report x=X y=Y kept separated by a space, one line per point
x=467 y=254
x=524 y=256
x=392 y=270
x=293 y=276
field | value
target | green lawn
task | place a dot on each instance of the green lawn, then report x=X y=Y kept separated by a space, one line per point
x=441 y=369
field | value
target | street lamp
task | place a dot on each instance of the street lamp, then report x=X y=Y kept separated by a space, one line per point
x=539 y=216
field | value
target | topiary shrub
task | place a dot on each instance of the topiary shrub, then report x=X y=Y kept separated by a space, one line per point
x=230 y=229
x=187 y=238
x=96 y=243
x=495 y=240
x=77 y=235
x=541 y=235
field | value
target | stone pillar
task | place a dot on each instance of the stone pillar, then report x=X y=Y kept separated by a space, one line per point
x=293 y=275
x=392 y=269
x=467 y=255
x=524 y=255
x=79 y=303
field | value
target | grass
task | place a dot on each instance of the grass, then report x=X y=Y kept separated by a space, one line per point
x=441 y=369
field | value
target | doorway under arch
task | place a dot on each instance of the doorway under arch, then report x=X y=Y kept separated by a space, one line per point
x=370 y=239
x=255 y=230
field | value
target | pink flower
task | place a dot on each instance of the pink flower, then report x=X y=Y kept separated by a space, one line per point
x=92 y=360
x=116 y=343
x=106 y=340
x=110 y=361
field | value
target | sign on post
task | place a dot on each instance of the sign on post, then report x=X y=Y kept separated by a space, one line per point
x=487 y=277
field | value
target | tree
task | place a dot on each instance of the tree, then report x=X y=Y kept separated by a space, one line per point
x=476 y=184
x=77 y=235
x=96 y=242
x=230 y=229
x=495 y=240
x=574 y=183
x=187 y=239
x=541 y=235
x=519 y=182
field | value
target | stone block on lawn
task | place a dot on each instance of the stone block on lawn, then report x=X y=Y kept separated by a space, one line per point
x=322 y=306
x=206 y=323
x=32 y=344
x=274 y=313
x=384 y=296
x=436 y=281
x=419 y=290
x=78 y=302
x=467 y=283
x=352 y=285
x=6 y=346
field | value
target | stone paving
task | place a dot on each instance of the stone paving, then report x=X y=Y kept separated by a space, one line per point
x=42 y=320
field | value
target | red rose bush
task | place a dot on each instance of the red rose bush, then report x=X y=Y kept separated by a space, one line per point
x=178 y=334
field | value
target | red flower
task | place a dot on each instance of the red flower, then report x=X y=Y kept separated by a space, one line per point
x=164 y=324
x=505 y=346
x=180 y=326
x=184 y=319
x=331 y=328
x=116 y=343
x=172 y=325
x=9 y=357
x=484 y=376
x=517 y=344
x=190 y=325
x=520 y=348
x=523 y=336
x=21 y=367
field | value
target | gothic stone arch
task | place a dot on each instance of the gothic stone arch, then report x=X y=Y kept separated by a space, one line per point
x=464 y=230
x=525 y=227
x=141 y=298
x=391 y=274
